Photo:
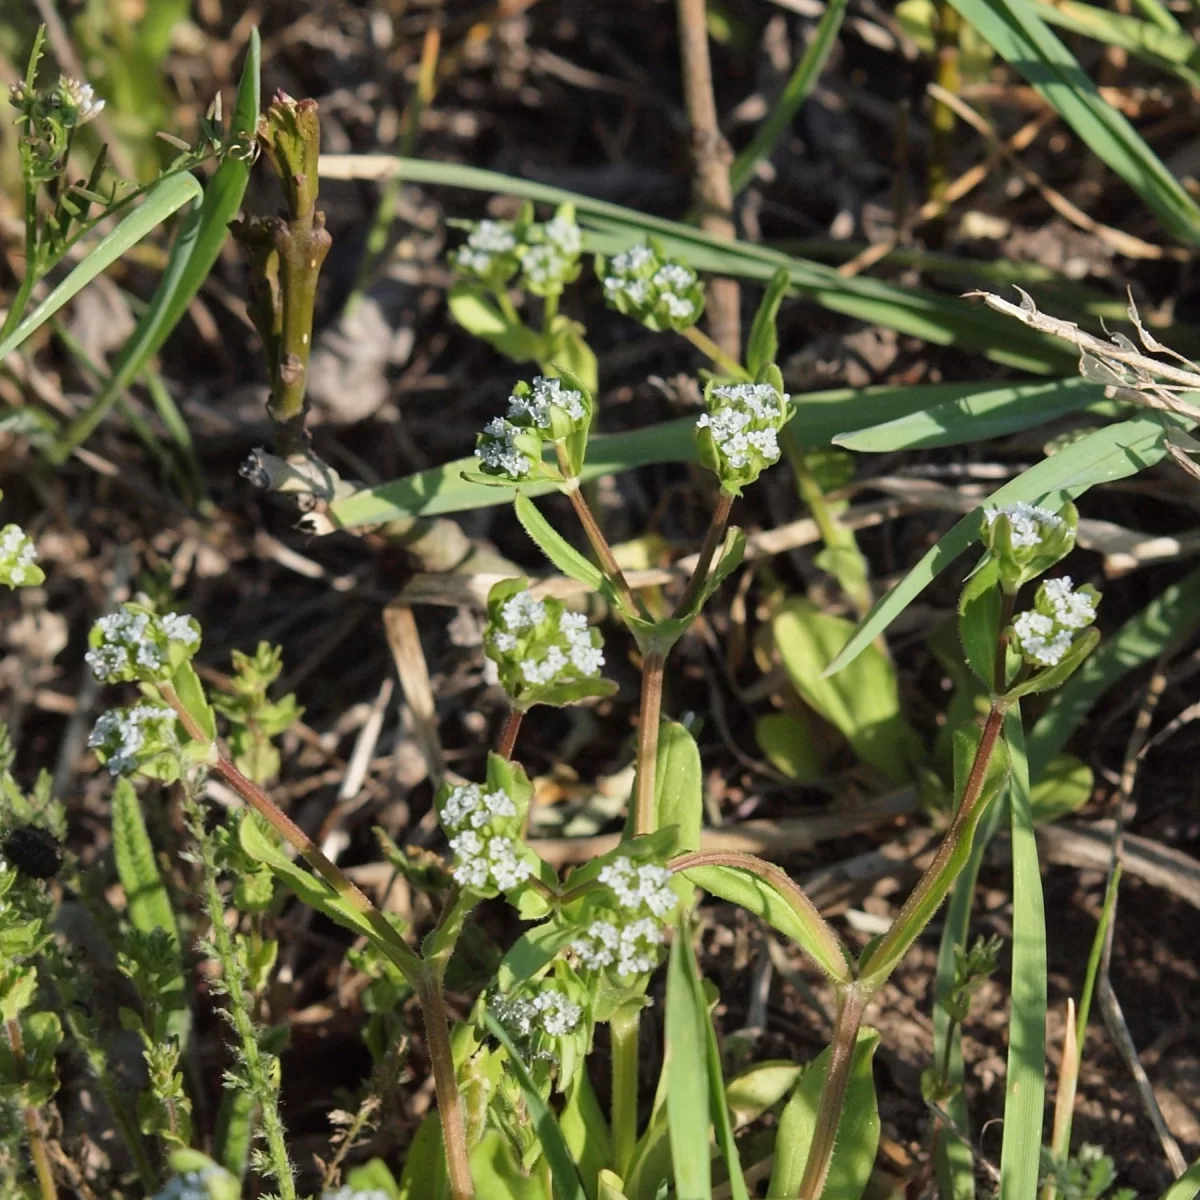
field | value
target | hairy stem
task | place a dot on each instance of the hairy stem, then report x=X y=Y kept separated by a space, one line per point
x=708 y=550
x=33 y=1122
x=624 y=1029
x=645 y=818
x=508 y=735
x=851 y=1003
x=257 y=1065
x=600 y=546
x=728 y=364
x=437 y=1039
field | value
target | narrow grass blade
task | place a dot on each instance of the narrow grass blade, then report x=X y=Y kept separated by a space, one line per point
x=1025 y=1088
x=1186 y=1186
x=1114 y=452
x=795 y=92
x=1170 y=618
x=977 y=417
x=954 y=1159
x=567 y=1185
x=686 y=1070
x=192 y=257
x=1019 y=35
x=161 y=201
x=719 y=1107
x=944 y=320
x=820 y=417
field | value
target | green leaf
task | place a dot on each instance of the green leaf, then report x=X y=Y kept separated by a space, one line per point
x=482 y=319
x=586 y=1132
x=679 y=784
x=532 y=951
x=763 y=343
x=258 y=842
x=567 y=1185
x=717 y=1103
x=1115 y=452
x=234 y=1135
x=795 y=92
x=1168 y=620
x=424 y=1174
x=979 y=621
x=555 y=547
x=1065 y=787
x=758 y=896
x=758 y=1089
x=857 y=1134
x=572 y=353
x=862 y=703
x=610 y=1187
x=191 y=692
x=1055 y=676
x=1019 y=35
x=161 y=201
x=496 y=1171
x=686 y=1070
x=787 y=741
x=373 y=1176
x=197 y=246
x=1025 y=1087
x=1186 y=1186
x=976 y=417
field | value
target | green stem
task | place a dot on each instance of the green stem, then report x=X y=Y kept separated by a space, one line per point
x=21 y=300
x=508 y=309
x=624 y=1030
x=599 y=542
x=645 y=818
x=33 y=1122
x=708 y=551
x=549 y=312
x=258 y=1069
x=851 y=1004
x=712 y=351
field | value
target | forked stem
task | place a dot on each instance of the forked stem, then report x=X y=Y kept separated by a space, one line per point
x=600 y=546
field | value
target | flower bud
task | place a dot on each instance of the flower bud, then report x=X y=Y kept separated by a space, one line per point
x=738 y=437
x=661 y=293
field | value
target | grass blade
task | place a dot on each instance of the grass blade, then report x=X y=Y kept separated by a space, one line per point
x=686 y=1070
x=1114 y=452
x=1019 y=35
x=1167 y=620
x=161 y=201
x=1025 y=1090
x=567 y=1185
x=192 y=257
x=1186 y=1186
x=795 y=92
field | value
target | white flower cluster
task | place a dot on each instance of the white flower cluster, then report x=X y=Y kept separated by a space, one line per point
x=17 y=557
x=497 y=449
x=544 y=395
x=81 y=97
x=630 y=949
x=1044 y=634
x=562 y=653
x=548 y=1012
x=1070 y=609
x=648 y=884
x=133 y=643
x=744 y=420
x=484 y=856
x=121 y=734
x=1029 y=521
x=630 y=941
x=487 y=241
x=191 y=1185
x=637 y=281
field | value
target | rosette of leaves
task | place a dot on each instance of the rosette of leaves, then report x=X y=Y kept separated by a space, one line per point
x=659 y=292
x=737 y=437
x=483 y=823
x=1026 y=540
x=544 y=653
x=547 y=411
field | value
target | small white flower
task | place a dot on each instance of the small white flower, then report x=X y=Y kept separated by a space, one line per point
x=506 y=869
x=82 y=97
x=1072 y=610
x=474 y=262
x=17 y=555
x=1039 y=639
x=632 y=260
x=544 y=671
x=564 y=236
x=544 y=265
x=493 y=236
x=674 y=277
x=639 y=945
x=504 y=642
x=499 y=451
x=522 y=612
x=1025 y=519
x=635 y=886
x=559 y=1016
x=597 y=948
x=121 y=733
x=678 y=309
